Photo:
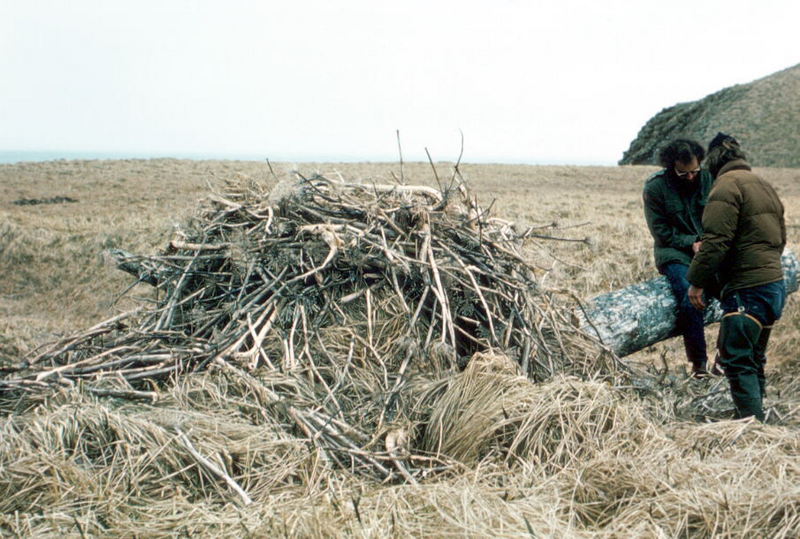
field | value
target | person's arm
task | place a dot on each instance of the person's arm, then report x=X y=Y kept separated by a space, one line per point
x=655 y=213
x=783 y=223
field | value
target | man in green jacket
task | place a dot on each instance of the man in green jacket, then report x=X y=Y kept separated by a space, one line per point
x=674 y=199
x=744 y=237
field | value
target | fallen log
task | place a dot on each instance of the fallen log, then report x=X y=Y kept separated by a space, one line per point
x=643 y=314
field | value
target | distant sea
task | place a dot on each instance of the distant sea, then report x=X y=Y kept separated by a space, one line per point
x=10 y=156
x=13 y=156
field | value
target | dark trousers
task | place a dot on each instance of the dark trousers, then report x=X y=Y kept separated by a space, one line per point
x=689 y=320
x=743 y=337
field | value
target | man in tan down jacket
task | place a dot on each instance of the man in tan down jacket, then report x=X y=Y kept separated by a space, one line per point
x=744 y=236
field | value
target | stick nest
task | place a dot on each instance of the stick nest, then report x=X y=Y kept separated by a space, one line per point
x=341 y=305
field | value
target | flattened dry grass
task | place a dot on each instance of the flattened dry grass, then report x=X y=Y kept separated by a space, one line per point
x=568 y=457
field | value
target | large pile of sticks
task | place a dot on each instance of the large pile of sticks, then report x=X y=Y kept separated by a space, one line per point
x=352 y=292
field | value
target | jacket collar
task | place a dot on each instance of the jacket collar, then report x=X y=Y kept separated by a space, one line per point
x=736 y=164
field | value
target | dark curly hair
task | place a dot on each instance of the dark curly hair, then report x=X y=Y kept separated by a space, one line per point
x=683 y=150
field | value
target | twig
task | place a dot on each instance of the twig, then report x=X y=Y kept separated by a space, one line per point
x=435 y=174
x=400 y=152
x=213 y=468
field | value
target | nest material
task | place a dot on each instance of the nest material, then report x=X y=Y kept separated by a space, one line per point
x=352 y=291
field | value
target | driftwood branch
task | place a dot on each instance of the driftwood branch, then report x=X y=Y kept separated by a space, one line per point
x=140 y=267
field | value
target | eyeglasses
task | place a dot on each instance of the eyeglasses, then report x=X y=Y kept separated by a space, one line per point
x=685 y=173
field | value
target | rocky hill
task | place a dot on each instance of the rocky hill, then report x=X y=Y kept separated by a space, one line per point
x=764 y=115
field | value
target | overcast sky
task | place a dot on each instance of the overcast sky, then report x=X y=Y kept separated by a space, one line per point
x=562 y=81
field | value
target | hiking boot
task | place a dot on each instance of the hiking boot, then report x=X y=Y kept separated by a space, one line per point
x=699 y=370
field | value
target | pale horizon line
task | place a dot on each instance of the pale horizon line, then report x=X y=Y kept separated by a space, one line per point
x=10 y=156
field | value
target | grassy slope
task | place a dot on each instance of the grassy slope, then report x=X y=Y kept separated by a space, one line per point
x=762 y=114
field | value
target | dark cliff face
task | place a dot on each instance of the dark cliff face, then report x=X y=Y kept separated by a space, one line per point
x=764 y=115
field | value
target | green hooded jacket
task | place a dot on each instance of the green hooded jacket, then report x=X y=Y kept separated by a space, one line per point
x=673 y=208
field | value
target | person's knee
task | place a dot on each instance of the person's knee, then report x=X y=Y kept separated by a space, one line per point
x=676 y=276
x=760 y=353
x=689 y=315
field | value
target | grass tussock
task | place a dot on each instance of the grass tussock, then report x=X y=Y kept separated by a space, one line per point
x=490 y=408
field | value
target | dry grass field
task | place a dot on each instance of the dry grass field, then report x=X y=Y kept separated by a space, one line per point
x=599 y=460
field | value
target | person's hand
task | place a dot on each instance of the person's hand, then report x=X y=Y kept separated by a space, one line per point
x=696 y=297
x=696 y=246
